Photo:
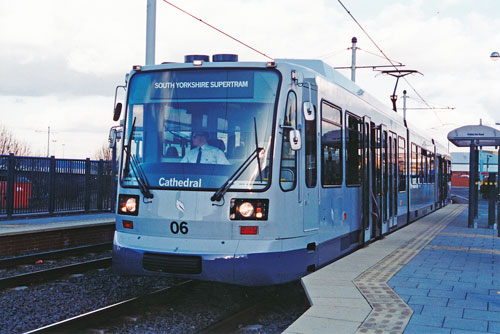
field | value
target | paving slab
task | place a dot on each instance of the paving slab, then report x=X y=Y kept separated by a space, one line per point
x=461 y=284
x=358 y=284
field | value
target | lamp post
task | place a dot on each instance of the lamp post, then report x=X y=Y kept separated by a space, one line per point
x=496 y=56
x=48 y=140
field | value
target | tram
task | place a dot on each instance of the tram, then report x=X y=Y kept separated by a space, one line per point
x=258 y=173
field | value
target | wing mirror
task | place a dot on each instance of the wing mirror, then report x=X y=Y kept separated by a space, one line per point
x=117 y=112
x=112 y=138
x=308 y=110
x=118 y=106
x=115 y=134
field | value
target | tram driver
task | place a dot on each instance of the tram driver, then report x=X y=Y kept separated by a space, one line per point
x=203 y=152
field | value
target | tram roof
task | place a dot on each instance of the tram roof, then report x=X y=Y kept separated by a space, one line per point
x=479 y=135
x=327 y=71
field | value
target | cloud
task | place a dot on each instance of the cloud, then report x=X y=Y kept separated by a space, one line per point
x=79 y=124
x=49 y=76
x=62 y=59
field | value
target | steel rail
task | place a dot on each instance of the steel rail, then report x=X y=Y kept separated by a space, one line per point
x=230 y=324
x=105 y=314
x=51 y=255
x=48 y=274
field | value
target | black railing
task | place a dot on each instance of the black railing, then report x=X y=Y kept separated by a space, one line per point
x=30 y=185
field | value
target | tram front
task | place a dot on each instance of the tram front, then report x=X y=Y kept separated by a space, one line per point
x=195 y=172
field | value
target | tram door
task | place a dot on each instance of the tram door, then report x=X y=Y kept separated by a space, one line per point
x=442 y=181
x=366 y=184
x=376 y=194
x=385 y=175
x=393 y=179
x=309 y=185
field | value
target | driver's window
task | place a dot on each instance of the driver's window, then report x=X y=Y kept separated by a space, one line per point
x=138 y=133
x=288 y=170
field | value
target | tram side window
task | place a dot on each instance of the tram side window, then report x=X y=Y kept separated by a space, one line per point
x=331 y=144
x=414 y=164
x=422 y=170
x=137 y=142
x=353 y=150
x=288 y=171
x=311 y=155
x=378 y=162
x=385 y=154
x=431 y=168
x=402 y=164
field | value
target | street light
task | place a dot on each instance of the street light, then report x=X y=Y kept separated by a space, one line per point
x=495 y=56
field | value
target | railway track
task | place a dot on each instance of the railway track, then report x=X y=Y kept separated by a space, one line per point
x=234 y=322
x=38 y=276
x=184 y=307
x=252 y=317
x=53 y=255
x=106 y=314
x=49 y=274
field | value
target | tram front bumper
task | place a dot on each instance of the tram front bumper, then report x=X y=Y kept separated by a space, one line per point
x=240 y=262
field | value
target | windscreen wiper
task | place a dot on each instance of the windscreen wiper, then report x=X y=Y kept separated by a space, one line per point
x=126 y=169
x=257 y=147
x=137 y=170
x=255 y=154
x=225 y=187
x=142 y=180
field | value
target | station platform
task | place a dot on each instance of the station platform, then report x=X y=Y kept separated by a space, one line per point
x=19 y=237
x=44 y=224
x=433 y=276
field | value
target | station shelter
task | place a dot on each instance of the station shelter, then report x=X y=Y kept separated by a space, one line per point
x=487 y=162
x=476 y=137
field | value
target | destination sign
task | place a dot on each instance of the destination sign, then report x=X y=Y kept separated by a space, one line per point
x=202 y=85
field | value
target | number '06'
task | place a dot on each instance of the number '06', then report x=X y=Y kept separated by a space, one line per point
x=176 y=227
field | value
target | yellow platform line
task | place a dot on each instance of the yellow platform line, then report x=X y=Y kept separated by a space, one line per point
x=468 y=235
x=465 y=249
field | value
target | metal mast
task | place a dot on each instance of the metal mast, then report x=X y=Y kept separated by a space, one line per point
x=353 y=61
x=151 y=32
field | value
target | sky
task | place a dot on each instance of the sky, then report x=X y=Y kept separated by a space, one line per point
x=60 y=60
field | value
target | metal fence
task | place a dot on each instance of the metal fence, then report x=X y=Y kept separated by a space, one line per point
x=30 y=185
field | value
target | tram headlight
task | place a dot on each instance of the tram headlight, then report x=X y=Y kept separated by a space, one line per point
x=248 y=209
x=131 y=205
x=128 y=205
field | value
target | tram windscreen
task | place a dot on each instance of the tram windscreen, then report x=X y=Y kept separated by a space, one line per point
x=192 y=129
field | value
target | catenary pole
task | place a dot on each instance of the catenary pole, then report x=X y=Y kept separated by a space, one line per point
x=353 y=62
x=151 y=32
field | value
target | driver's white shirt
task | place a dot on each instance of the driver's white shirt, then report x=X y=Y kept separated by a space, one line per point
x=209 y=155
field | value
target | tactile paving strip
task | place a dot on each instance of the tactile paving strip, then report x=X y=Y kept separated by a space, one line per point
x=468 y=235
x=465 y=249
x=390 y=314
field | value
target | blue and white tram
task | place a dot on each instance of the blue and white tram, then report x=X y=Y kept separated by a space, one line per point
x=312 y=167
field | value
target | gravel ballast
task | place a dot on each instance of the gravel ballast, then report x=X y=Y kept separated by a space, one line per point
x=29 y=307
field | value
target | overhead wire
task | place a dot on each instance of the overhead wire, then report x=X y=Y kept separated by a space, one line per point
x=388 y=59
x=219 y=30
x=325 y=56
x=377 y=55
x=331 y=54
